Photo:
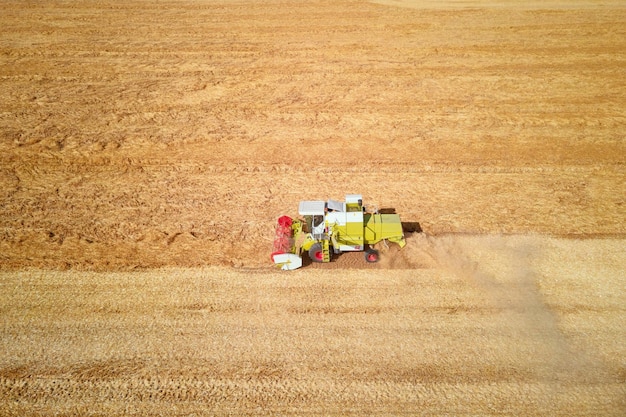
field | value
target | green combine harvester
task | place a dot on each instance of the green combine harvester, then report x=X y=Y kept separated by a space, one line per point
x=331 y=227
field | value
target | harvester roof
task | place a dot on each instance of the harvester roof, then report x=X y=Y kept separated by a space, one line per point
x=312 y=208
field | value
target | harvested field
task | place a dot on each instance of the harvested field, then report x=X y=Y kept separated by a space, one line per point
x=147 y=148
x=137 y=133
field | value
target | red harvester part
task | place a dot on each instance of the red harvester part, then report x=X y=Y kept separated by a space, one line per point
x=283 y=239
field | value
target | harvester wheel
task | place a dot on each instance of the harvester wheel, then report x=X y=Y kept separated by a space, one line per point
x=372 y=255
x=316 y=253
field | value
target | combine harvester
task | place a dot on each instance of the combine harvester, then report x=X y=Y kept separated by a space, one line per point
x=333 y=226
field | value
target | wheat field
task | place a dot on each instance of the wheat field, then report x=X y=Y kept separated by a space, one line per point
x=147 y=149
x=489 y=325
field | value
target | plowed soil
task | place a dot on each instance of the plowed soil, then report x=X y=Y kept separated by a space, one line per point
x=147 y=148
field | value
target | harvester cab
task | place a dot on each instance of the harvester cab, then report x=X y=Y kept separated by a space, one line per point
x=333 y=226
x=314 y=213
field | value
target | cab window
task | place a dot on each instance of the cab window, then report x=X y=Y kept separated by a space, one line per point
x=317 y=220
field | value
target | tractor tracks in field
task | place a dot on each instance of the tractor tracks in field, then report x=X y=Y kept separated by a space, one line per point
x=172 y=160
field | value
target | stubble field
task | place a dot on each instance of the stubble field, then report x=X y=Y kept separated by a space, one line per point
x=147 y=149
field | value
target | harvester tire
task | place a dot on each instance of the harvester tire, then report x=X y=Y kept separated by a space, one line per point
x=372 y=256
x=316 y=253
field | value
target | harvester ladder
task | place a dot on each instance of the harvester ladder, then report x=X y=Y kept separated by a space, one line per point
x=326 y=250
